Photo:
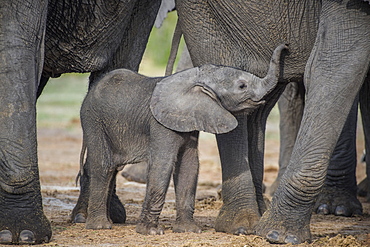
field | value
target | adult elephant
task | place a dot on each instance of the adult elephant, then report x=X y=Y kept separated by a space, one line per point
x=329 y=53
x=339 y=194
x=41 y=39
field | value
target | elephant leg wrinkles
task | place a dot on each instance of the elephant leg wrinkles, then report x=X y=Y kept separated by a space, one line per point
x=21 y=212
x=338 y=195
x=336 y=76
x=364 y=185
x=291 y=104
x=162 y=161
x=240 y=211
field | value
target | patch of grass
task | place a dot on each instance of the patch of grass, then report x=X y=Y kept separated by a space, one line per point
x=59 y=104
x=158 y=49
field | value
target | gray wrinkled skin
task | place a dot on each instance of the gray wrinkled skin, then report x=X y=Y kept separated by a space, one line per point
x=128 y=118
x=324 y=37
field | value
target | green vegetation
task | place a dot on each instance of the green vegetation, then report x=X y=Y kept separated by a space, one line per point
x=60 y=102
x=158 y=48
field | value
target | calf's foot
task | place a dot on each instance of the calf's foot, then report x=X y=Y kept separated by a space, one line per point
x=338 y=201
x=98 y=222
x=186 y=226
x=149 y=229
x=117 y=211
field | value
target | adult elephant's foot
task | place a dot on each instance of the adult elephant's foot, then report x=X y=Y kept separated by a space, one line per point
x=24 y=225
x=281 y=229
x=149 y=229
x=135 y=172
x=364 y=189
x=117 y=212
x=186 y=226
x=338 y=201
x=236 y=221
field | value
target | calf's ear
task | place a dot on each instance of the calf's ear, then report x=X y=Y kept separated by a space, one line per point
x=181 y=103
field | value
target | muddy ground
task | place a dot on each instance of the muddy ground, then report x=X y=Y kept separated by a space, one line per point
x=58 y=158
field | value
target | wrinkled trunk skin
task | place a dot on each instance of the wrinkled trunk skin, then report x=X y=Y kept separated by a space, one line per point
x=246 y=40
x=21 y=213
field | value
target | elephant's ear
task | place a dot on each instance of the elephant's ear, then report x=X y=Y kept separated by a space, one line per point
x=181 y=103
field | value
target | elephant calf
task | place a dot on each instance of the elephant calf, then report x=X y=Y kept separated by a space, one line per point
x=128 y=118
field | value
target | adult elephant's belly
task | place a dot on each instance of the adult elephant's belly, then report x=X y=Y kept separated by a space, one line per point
x=86 y=38
x=244 y=33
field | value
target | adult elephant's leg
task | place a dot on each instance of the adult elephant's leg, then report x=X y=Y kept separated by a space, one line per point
x=256 y=143
x=131 y=50
x=364 y=186
x=240 y=211
x=21 y=41
x=339 y=194
x=334 y=74
x=291 y=104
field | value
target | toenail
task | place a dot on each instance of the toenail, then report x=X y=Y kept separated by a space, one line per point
x=323 y=209
x=27 y=236
x=273 y=236
x=291 y=239
x=6 y=236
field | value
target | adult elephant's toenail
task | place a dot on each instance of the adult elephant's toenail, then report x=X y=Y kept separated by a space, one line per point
x=273 y=236
x=79 y=218
x=323 y=209
x=342 y=211
x=291 y=239
x=6 y=237
x=27 y=237
x=241 y=231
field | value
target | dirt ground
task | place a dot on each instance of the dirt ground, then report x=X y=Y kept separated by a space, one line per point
x=58 y=158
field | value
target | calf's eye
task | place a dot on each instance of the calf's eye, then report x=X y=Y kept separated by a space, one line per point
x=242 y=84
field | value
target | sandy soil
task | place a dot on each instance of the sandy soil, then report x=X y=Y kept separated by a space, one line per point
x=58 y=158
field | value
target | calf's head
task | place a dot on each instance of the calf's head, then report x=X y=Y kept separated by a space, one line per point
x=204 y=98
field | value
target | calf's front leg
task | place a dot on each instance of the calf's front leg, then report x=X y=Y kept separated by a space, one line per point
x=185 y=179
x=164 y=148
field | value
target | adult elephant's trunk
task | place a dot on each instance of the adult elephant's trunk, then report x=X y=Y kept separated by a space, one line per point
x=268 y=83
